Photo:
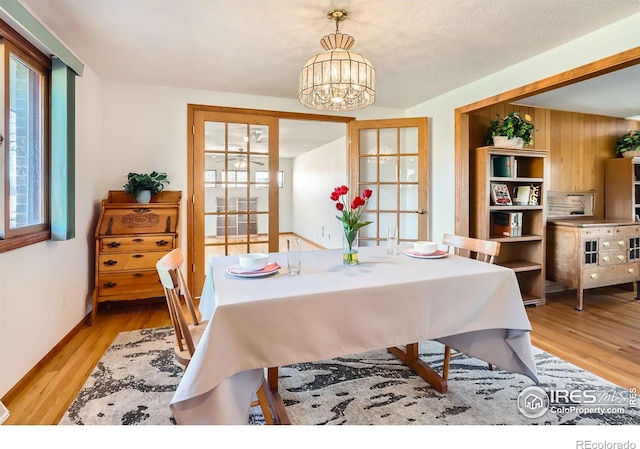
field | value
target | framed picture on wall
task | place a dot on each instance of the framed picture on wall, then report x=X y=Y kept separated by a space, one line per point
x=209 y=178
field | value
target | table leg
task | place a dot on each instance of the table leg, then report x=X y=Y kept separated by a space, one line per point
x=411 y=357
x=275 y=400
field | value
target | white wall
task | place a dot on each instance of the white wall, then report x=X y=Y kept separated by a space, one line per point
x=45 y=288
x=315 y=175
x=607 y=41
x=285 y=213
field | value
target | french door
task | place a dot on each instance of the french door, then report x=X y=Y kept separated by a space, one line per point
x=235 y=191
x=390 y=158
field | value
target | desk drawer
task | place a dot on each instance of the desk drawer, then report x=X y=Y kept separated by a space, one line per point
x=611 y=275
x=146 y=284
x=164 y=242
x=130 y=261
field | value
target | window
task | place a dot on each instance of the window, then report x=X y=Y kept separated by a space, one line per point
x=262 y=177
x=236 y=178
x=24 y=127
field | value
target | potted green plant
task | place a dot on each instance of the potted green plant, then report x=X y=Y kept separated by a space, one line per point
x=512 y=131
x=629 y=144
x=144 y=185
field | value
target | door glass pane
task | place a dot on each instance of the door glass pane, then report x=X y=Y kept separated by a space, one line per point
x=409 y=140
x=368 y=169
x=238 y=136
x=389 y=169
x=387 y=221
x=409 y=197
x=368 y=142
x=388 y=197
x=258 y=141
x=409 y=226
x=388 y=141
x=370 y=230
x=408 y=169
x=214 y=136
x=26 y=158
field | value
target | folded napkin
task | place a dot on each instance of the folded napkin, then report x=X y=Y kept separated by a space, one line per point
x=237 y=269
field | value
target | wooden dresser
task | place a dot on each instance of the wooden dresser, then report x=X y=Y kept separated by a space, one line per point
x=130 y=239
x=587 y=253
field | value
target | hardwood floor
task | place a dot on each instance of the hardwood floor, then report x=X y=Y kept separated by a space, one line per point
x=603 y=339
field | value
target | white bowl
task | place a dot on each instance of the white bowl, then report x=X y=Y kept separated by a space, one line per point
x=425 y=247
x=253 y=261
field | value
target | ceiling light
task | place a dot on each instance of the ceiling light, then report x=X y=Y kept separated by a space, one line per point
x=337 y=79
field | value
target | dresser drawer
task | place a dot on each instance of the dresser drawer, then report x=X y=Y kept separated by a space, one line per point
x=139 y=284
x=615 y=243
x=139 y=220
x=129 y=261
x=137 y=243
x=612 y=258
x=615 y=274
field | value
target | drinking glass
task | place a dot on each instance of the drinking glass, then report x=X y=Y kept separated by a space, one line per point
x=294 y=246
x=392 y=241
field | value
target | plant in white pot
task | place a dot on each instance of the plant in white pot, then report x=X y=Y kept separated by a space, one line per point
x=512 y=131
x=144 y=185
x=628 y=145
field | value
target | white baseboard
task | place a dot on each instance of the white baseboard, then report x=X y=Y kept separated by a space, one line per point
x=4 y=413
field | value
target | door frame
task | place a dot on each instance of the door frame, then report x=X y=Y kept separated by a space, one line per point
x=191 y=177
x=603 y=66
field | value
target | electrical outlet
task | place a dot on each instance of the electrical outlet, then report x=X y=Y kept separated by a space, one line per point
x=323 y=231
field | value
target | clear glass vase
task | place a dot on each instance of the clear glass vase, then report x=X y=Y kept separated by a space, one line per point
x=350 y=250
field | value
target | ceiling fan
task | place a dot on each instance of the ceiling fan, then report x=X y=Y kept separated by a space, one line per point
x=240 y=161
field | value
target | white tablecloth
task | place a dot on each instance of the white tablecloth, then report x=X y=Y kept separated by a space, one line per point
x=332 y=309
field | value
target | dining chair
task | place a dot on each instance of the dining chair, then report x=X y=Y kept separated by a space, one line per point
x=188 y=334
x=482 y=250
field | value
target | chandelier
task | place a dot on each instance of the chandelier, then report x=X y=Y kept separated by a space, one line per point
x=337 y=79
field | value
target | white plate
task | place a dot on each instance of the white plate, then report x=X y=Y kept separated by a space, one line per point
x=252 y=274
x=439 y=254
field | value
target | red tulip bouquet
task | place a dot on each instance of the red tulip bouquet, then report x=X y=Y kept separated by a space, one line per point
x=351 y=218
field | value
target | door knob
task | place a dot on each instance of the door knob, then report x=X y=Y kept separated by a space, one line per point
x=420 y=211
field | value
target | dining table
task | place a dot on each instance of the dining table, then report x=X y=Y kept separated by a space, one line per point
x=260 y=322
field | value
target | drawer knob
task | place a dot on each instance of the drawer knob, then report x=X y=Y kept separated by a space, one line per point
x=631 y=270
x=137 y=256
x=138 y=240
x=162 y=243
x=594 y=276
x=110 y=263
x=620 y=257
x=137 y=275
x=113 y=244
x=620 y=242
x=109 y=284
x=606 y=244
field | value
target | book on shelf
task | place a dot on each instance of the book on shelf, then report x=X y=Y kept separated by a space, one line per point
x=521 y=195
x=504 y=166
x=500 y=194
x=506 y=224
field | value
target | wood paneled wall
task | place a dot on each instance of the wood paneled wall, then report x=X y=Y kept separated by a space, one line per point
x=578 y=144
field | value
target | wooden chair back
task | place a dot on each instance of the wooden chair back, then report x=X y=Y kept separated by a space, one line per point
x=482 y=250
x=173 y=281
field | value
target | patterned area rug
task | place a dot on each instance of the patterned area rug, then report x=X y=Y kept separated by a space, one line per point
x=135 y=380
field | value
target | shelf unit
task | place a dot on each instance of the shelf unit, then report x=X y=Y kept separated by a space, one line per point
x=524 y=254
x=239 y=221
x=622 y=189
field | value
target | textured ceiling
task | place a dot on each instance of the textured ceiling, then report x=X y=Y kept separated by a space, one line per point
x=420 y=49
